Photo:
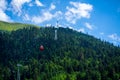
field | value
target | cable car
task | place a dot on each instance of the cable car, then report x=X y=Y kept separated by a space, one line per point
x=41 y=47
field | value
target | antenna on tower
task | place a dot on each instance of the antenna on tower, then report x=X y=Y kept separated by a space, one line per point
x=55 y=38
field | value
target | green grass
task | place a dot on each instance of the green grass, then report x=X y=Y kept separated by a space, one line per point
x=13 y=26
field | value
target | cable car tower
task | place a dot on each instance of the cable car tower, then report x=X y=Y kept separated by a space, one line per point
x=55 y=38
x=18 y=71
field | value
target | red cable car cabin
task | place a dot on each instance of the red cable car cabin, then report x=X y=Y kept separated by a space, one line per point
x=41 y=48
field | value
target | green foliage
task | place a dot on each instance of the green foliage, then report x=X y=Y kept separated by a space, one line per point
x=13 y=26
x=74 y=56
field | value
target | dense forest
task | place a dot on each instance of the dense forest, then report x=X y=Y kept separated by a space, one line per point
x=73 y=56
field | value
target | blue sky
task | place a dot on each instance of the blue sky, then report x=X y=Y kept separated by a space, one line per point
x=100 y=18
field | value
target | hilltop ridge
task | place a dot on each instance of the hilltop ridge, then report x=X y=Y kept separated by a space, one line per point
x=12 y=26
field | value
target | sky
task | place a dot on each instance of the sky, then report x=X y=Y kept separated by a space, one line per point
x=99 y=18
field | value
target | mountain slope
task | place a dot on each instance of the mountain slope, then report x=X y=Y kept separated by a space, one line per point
x=73 y=56
x=13 y=26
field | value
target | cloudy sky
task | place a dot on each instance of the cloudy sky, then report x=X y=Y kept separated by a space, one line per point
x=100 y=18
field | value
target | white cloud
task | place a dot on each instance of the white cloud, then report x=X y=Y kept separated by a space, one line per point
x=58 y=15
x=89 y=26
x=52 y=7
x=114 y=37
x=70 y=18
x=78 y=11
x=26 y=17
x=78 y=30
x=48 y=25
x=3 y=15
x=38 y=3
x=46 y=16
x=81 y=30
x=30 y=4
x=17 y=5
x=71 y=27
x=101 y=33
x=3 y=4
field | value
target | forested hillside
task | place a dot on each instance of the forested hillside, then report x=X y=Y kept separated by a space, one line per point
x=73 y=56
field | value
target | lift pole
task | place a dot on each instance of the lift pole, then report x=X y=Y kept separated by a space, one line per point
x=18 y=72
x=56 y=32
